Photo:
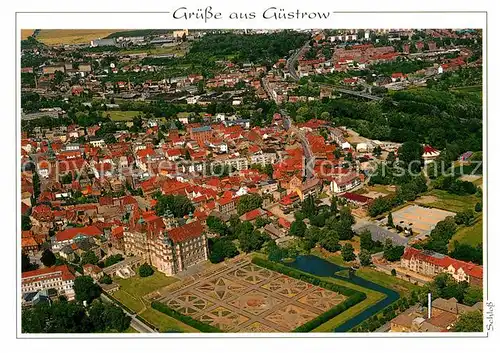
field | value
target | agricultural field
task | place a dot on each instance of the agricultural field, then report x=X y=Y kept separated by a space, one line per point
x=118 y=115
x=25 y=33
x=71 y=36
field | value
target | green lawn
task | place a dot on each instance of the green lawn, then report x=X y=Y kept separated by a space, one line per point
x=118 y=115
x=133 y=289
x=178 y=50
x=400 y=286
x=372 y=297
x=138 y=286
x=451 y=202
x=472 y=235
x=130 y=330
x=164 y=322
x=469 y=89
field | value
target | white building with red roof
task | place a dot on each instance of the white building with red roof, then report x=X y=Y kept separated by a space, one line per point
x=429 y=263
x=59 y=278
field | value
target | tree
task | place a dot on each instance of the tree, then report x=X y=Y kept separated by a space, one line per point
x=221 y=249
x=298 y=228
x=249 y=202
x=106 y=279
x=466 y=252
x=365 y=258
x=390 y=221
x=216 y=225
x=446 y=287
x=48 y=258
x=391 y=158
x=26 y=265
x=365 y=240
x=441 y=235
x=464 y=217
x=89 y=257
x=473 y=295
x=176 y=205
x=330 y=241
x=107 y=317
x=410 y=153
x=470 y=322
x=59 y=317
x=348 y=252
x=333 y=206
x=85 y=289
x=145 y=270
x=251 y=241
x=25 y=222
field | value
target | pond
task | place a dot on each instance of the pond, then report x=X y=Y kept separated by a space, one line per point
x=320 y=267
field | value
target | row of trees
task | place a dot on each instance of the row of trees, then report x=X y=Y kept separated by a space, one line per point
x=72 y=317
x=427 y=116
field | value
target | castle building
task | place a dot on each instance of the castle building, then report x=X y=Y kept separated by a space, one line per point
x=169 y=250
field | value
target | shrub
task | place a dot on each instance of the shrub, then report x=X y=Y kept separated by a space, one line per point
x=145 y=270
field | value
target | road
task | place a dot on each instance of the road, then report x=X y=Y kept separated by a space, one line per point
x=290 y=63
x=134 y=323
x=359 y=94
x=309 y=157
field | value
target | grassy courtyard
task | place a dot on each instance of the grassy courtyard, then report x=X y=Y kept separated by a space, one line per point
x=133 y=289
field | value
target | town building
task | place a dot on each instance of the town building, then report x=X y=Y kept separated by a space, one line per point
x=58 y=277
x=429 y=263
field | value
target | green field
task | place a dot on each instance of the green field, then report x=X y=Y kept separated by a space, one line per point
x=372 y=297
x=469 y=89
x=133 y=289
x=450 y=202
x=472 y=235
x=178 y=50
x=130 y=330
x=400 y=286
x=118 y=115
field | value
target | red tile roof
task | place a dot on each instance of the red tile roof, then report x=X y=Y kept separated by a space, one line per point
x=70 y=233
x=444 y=261
x=186 y=232
x=48 y=272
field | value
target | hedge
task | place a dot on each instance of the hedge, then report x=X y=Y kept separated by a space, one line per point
x=354 y=296
x=201 y=326
x=330 y=314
